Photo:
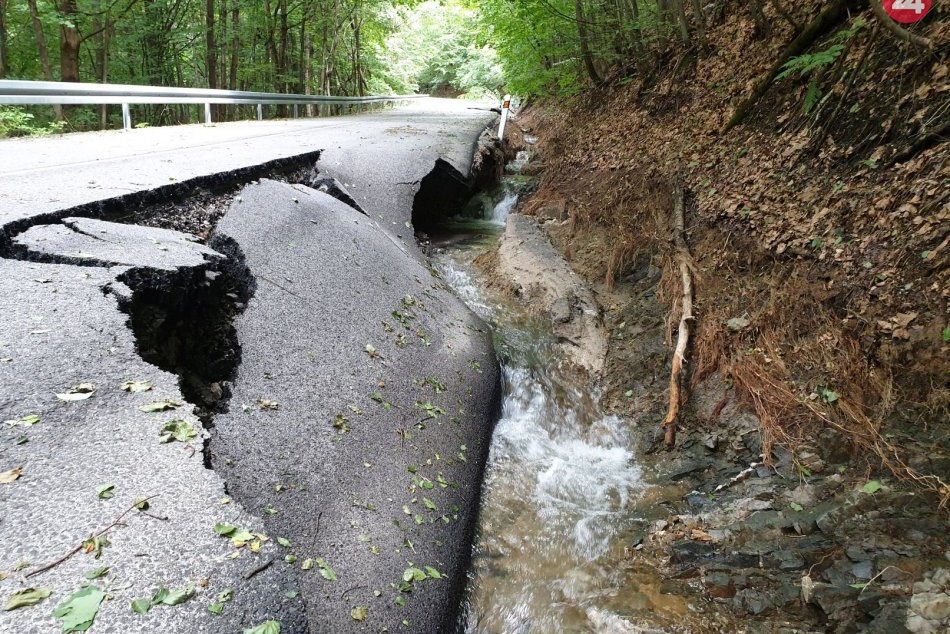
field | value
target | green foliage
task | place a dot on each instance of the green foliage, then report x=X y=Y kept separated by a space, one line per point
x=435 y=49
x=18 y=122
x=808 y=63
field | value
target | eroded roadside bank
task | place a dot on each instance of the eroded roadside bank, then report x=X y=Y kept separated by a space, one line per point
x=716 y=536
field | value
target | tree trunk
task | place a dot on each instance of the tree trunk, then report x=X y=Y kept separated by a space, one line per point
x=211 y=49
x=43 y=52
x=235 y=51
x=4 y=49
x=69 y=41
x=103 y=25
x=585 y=42
x=681 y=20
x=700 y=21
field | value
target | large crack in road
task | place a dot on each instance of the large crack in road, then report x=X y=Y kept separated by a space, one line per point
x=302 y=309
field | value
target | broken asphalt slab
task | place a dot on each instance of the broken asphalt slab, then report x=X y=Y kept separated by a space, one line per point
x=362 y=411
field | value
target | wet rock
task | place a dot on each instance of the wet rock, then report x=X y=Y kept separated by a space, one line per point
x=685 y=466
x=697 y=500
x=690 y=552
x=834 y=600
x=753 y=601
x=933 y=606
x=719 y=585
x=785 y=560
x=803 y=495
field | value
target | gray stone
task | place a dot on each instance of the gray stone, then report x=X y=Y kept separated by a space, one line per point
x=931 y=605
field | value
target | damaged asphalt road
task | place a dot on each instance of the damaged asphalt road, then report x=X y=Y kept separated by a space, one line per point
x=342 y=395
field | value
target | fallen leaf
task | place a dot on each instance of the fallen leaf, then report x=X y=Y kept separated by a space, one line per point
x=105 y=492
x=871 y=487
x=9 y=476
x=267 y=627
x=159 y=406
x=77 y=393
x=180 y=430
x=137 y=386
x=26 y=597
x=78 y=612
x=359 y=613
x=27 y=421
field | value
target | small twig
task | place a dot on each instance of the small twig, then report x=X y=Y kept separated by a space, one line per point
x=345 y=592
x=283 y=288
x=256 y=571
x=116 y=522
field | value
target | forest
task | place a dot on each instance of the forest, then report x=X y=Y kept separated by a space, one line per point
x=320 y=47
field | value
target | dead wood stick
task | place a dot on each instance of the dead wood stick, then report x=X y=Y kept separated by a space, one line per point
x=686 y=316
x=116 y=522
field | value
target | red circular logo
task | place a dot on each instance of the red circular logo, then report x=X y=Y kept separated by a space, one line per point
x=907 y=11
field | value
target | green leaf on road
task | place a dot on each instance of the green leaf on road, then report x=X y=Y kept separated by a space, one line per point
x=77 y=393
x=78 y=612
x=177 y=597
x=433 y=573
x=141 y=606
x=325 y=570
x=413 y=574
x=180 y=430
x=159 y=406
x=27 y=421
x=359 y=613
x=105 y=492
x=137 y=386
x=26 y=597
x=797 y=507
x=96 y=573
x=225 y=530
x=429 y=504
x=267 y=627
x=283 y=541
x=871 y=487
x=307 y=564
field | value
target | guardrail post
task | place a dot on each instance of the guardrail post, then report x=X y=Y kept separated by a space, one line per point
x=505 y=107
x=207 y=114
x=126 y=117
x=295 y=111
x=260 y=112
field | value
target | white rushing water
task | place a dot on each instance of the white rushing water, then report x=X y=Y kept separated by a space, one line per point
x=503 y=208
x=558 y=486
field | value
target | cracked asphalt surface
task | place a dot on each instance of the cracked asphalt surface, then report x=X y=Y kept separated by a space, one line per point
x=325 y=278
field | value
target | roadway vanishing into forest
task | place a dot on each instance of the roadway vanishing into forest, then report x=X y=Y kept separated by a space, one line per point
x=336 y=486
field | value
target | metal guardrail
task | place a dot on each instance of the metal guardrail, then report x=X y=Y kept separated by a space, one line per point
x=33 y=93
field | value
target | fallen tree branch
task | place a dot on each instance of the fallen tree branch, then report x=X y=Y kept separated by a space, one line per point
x=877 y=7
x=686 y=316
x=116 y=522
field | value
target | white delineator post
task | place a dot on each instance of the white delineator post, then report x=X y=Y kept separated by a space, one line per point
x=505 y=108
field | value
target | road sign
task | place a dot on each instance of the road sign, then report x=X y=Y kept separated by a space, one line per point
x=907 y=11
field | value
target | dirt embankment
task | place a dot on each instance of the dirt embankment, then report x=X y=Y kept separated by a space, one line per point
x=814 y=439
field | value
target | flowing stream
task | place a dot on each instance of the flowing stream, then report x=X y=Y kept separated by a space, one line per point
x=563 y=495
